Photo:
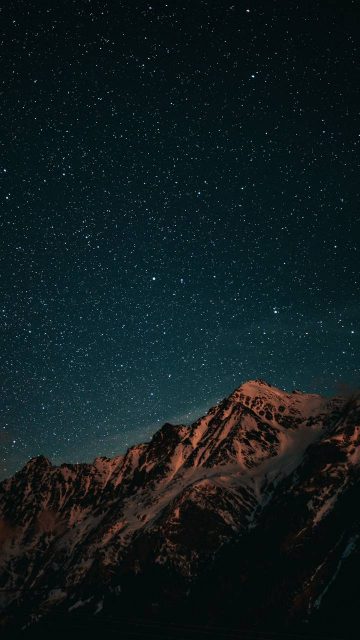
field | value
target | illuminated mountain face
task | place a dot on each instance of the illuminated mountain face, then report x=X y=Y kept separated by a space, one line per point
x=250 y=511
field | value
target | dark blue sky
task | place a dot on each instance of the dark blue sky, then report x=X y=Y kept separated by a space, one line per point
x=179 y=213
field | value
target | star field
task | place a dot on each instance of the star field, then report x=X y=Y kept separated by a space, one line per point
x=179 y=213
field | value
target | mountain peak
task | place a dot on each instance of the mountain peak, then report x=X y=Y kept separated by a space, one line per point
x=38 y=462
x=259 y=382
x=255 y=386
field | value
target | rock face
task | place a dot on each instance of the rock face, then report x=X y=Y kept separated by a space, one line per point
x=248 y=518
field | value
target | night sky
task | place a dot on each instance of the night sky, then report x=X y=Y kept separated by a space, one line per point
x=179 y=212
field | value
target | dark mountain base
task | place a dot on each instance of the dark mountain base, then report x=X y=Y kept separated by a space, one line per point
x=152 y=629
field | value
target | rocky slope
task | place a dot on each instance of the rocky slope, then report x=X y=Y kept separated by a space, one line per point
x=251 y=511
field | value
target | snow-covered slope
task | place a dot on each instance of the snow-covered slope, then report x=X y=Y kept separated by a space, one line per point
x=71 y=535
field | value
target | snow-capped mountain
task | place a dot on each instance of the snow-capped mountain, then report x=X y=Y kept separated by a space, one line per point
x=251 y=511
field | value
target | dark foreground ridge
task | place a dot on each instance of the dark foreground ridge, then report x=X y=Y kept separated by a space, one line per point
x=244 y=524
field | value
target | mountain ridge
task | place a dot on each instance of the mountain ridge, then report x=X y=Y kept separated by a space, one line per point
x=173 y=505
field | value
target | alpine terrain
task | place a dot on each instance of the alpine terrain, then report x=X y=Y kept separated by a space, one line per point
x=248 y=519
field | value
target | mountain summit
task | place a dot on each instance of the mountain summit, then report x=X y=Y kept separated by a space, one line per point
x=250 y=511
